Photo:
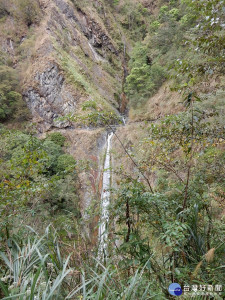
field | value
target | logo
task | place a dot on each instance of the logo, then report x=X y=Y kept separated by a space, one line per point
x=175 y=289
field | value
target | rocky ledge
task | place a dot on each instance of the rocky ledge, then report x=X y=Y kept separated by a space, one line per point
x=49 y=99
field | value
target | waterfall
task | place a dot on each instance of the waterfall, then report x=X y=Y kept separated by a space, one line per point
x=105 y=200
x=97 y=57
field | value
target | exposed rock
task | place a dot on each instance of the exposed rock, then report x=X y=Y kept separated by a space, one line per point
x=90 y=28
x=94 y=141
x=66 y=9
x=50 y=99
x=68 y=34
x=97 y=35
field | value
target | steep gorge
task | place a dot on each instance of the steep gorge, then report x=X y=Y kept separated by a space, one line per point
x=112 y=130
x=74 y=60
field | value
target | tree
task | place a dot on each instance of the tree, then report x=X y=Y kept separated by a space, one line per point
x=144 y=78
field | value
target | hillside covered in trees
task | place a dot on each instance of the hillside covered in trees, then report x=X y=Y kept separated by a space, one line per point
x=112 y=157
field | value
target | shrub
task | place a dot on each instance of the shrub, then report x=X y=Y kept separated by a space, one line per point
x=144 y=78
x=174 y=13
x=134 y=19
x=166 y=37
x=154 y=26
x=57 y=138
x=65 y=162
x=62 y=195
x=11 y=102
x=53 y=151
x=158 y=75
x=8 y=79
x=29 y=11
x=139 y=80
x=36 y=171
x=163 y=12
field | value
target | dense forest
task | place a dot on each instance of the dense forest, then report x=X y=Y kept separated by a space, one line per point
x=112 y=157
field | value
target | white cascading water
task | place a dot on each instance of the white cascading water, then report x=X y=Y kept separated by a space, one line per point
x=96 y=55
x=105 y=201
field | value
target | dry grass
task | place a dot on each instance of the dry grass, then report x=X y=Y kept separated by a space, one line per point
x=164 y=102
x=87 y=146
x=209 y=256
x=130 y=136
x=167 y=102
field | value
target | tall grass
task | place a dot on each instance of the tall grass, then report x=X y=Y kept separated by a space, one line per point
x=33 y=270
x=107 y=282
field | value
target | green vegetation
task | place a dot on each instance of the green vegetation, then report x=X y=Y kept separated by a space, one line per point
x=38 y=185
x=37 y=178
x=176 y=227
x=19 y=15
x=167 y=200
x=184 y=41
x=145 y=78
x=29 y=11
x=34 y=267
x=134 y=19
x=23 y=13
x=11 y=102
x=89 y=115
x=56 y=138
x=26 y=10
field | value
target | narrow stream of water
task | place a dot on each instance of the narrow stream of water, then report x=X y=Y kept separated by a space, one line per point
x=96 y=55
x=105 y=201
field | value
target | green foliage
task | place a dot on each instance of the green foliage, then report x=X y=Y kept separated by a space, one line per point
x=210 y=18
x=134 y=19
x=185 y=38
x=154 y=26
x=36 y=266
x=100 y=282
x=116 y=2
x=89 y=105
x=176 y=227
x=11 y=103
x=174 y=14
x=27 y=11
x=167 y=36
x=34 y=170
x=33 y=268
x=95 y=117
x=65 y=163
x=205 y=42
x=162 y=236
x=57 y=138
x=26 y=49
x=144 y=78
x=163 y=12
x=74 y=74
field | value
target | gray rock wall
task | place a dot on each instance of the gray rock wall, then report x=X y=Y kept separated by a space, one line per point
x=50 y=99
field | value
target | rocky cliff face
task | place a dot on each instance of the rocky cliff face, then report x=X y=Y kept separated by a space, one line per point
x=73 y=59
x=87 y=25
x=70 y=65
x=74 y=54
x=50 y=98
